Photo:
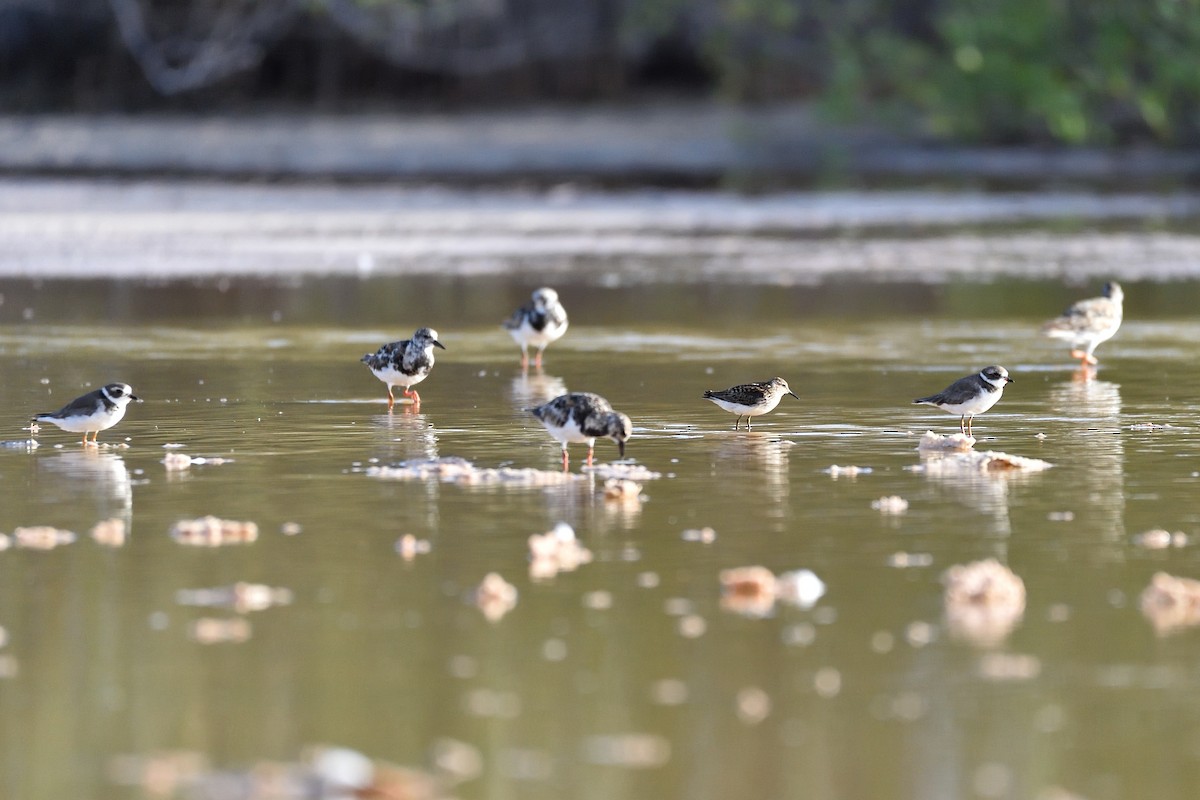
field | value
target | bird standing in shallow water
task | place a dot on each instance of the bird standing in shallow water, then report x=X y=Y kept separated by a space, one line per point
x=583 y=417
x=93 y=412
x=405 y=363
x=750 y=399
x=1089 y=322
x=971 y=395
x=538 y=323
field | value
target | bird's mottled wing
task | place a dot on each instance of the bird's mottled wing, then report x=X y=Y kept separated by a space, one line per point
x=746 y=394
x=518 y=317
x=388 y=355
x=1086 y=315
x=960 y=391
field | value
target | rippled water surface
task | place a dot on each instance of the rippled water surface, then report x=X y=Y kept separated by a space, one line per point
x=627 y=677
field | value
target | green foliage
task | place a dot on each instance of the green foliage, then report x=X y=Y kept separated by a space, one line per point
x=1071 y=71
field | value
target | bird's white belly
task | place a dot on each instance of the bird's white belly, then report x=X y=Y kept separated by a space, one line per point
x=569 y=432
x=526 y=334
x=394 y=377
x=748 y=411
x=978 y=405
x=100 y=421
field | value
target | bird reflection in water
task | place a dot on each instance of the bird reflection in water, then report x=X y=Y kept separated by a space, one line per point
x=1090 y=417
x=79 y=479
x=531 y=389
x=757 y=453
x=410 y=436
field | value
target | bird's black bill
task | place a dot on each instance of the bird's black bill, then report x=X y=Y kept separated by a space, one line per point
x=135 y=398
x=793 y=394
x=436 y=343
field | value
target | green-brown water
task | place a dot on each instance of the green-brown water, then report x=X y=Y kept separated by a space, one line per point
x=626 y=677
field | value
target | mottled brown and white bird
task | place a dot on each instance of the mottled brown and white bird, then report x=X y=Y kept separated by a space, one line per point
x=539 y=322
x=405 y=363
x=751 y=399
x=1089 y=322
x=93 y=412
x=583 y=417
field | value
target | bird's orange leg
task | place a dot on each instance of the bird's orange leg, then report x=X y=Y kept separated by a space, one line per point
x=566 y=459
x=391 y=398
x=590 y=449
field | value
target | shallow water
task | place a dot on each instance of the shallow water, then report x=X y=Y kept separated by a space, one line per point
x=626 y=677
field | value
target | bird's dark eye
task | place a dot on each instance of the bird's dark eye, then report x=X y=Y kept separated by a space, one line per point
x=117 y=391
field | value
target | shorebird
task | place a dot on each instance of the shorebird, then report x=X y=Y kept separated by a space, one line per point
x=538 y=323
x=751 y=399
x=93 y=412
x=1089 y=322
x=583 y=417
x=970 y=396
x=405 y=363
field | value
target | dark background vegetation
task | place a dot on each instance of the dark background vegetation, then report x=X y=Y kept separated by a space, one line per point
x=991 y=71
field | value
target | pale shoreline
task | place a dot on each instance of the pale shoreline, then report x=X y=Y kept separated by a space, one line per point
x=171 y=229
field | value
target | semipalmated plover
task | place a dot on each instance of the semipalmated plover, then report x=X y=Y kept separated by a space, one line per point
x=93 y=412
x=971 y=395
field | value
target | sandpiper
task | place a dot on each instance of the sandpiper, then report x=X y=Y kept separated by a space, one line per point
x=751 y=399
x=405 y=363
x=583 y=417
x=538 y=323
x=971 y=395
x=93 y=412
x=1089 y=322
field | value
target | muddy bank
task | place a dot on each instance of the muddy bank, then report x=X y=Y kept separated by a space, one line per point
x=699 y=144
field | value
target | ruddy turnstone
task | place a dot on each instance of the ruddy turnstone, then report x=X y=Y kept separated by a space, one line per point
x=583 y=417
x=751 y=399
x=971 y=395
x=538 y=323
x=1089 y=322
x=93 y=412
x=405 y=363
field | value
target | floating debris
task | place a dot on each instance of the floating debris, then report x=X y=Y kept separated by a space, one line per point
x=1170 y=603
x=801 y=588
x=211 y=531
x=1147 y=426
x=836 y=471
x=622 y=490
x=110 y=532
x=458 y=470
x=902 y=560
x=210 y=630
x=989 y=461
x=495 y=597
x=984 y=600
x=631 y=472
x=20 y=444
x=1009 y=667
x=703 y=535
x=891 y=504
x=749 y=591
x=631 y=750
x=753 y=591
x=1159 y=539
x=946 y=442
x=242 y=597
x=556 y=551
x=753 y=705
x=42 y=537
x=1061 y=516
x=290 y=528
x=409 y=547
x=5 y=541
x=177 y=462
